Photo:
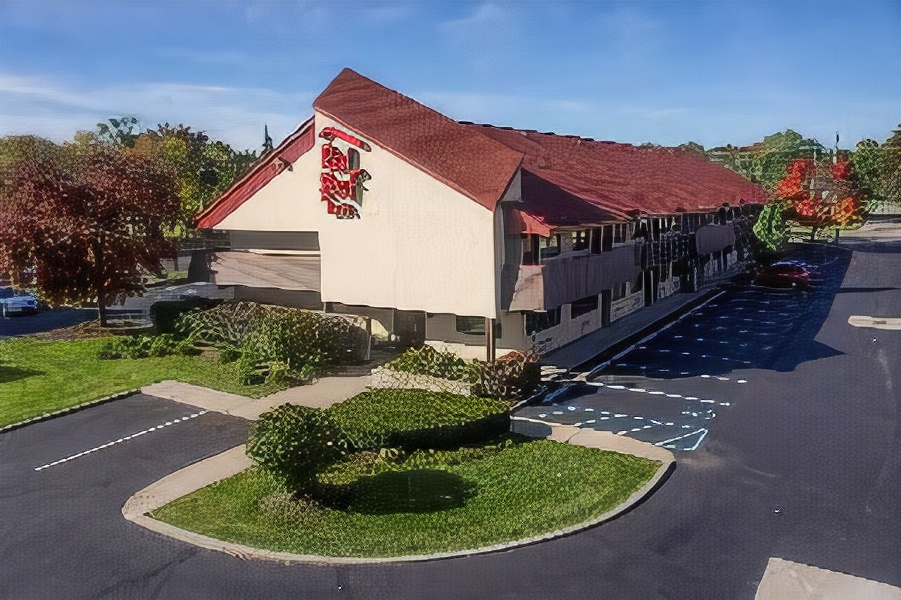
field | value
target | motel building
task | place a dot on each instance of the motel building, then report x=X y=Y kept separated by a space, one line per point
x=474 y=238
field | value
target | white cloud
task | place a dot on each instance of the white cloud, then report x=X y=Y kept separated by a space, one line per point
x=56 y=110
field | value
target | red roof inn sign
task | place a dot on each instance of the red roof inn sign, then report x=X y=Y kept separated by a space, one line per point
x=341 y=180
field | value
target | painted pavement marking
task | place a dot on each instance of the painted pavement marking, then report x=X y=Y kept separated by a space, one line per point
x=119 y=440
x=656 y=392
x=669 y=443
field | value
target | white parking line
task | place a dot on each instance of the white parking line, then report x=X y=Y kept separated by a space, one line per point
x=682 y=437
x=118 y=441
x=656 y=392
x=698 y=443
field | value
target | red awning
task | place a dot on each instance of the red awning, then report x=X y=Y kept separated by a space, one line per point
x=521 y=222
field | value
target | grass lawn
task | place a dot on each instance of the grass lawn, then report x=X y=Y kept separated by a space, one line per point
x=479 y=499
x=38 y=376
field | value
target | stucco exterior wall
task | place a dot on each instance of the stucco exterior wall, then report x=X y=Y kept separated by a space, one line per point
x=419 y=244
x=285 y=203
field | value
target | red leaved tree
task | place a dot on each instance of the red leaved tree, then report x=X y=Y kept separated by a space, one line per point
x=823 y=195
x=87 y=221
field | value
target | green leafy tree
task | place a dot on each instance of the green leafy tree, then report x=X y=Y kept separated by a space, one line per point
x=891 y=168
x=123 y=131
x=694 y=148
x=771 y=228
x=765 y=161
x=14 y=148
x=778 y=151
x=203 y=168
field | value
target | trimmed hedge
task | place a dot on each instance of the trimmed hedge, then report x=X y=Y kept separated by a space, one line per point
x=415 y=419
x=294 y=443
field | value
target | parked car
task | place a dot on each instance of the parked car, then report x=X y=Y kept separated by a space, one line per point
x=16 y=302
x=784 y=275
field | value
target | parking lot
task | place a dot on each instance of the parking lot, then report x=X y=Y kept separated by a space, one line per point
x=669 y=388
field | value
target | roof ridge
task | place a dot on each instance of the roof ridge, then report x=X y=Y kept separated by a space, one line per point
x=467 y=160
x=549 y=133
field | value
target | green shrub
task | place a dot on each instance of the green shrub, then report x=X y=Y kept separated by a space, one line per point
x=229 y=355
x=428 y=361
x=299 y=342
x=142 y=346
x=225 y=325
x=414 y=419
x=512 y=376
x=294 y=443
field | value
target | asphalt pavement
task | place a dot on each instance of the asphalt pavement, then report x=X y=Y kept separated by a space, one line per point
x=804 y=465
x=668 y=389
x=44 y=321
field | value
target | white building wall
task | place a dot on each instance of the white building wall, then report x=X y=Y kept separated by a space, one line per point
x=290 y=202
x=419 y=244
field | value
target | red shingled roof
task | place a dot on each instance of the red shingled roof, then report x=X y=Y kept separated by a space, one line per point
x=566 y=180
x=546 y=206
x=463 y=158
x=622 y=178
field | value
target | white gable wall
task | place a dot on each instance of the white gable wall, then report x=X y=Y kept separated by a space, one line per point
x=419 y=244
x=278 y=206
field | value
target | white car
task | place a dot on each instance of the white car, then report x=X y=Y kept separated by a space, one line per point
x=16 y=302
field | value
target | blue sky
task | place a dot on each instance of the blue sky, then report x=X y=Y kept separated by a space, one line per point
x=666 y=73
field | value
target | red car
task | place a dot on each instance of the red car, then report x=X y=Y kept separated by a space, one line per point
x=783 y=275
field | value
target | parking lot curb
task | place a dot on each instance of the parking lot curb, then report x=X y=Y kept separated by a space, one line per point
x=140 y=506
x=65 y=411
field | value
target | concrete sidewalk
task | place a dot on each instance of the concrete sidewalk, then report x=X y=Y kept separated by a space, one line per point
x=591 y=438
x=322 y=393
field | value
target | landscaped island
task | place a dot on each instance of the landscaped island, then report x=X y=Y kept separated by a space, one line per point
x=424 y=495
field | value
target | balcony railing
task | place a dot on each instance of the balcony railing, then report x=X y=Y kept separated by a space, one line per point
x=669 y=247
x=568 y=278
